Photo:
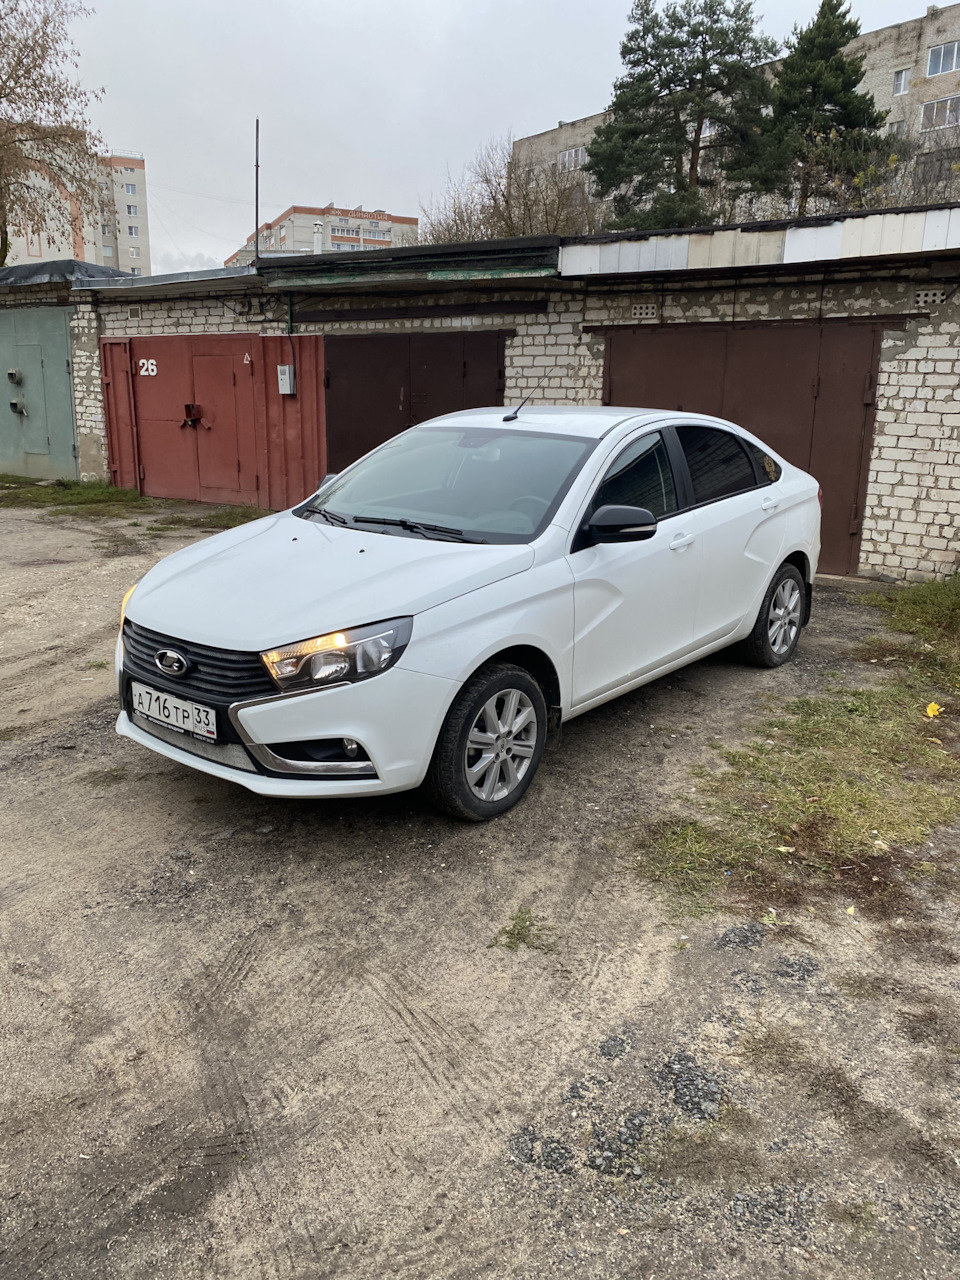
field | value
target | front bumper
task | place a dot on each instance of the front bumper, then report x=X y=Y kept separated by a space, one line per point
x=395 y=717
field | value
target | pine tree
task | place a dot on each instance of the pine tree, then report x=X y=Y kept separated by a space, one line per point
x=820 y=124
x=689 y=109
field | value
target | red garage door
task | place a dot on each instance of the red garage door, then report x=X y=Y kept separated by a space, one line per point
x=807 y=390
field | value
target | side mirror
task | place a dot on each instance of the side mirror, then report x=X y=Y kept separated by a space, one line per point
x=621 y=524
x=331 y=475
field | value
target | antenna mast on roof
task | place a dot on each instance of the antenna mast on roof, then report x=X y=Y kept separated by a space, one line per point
x=512 y=417
x=256 y=194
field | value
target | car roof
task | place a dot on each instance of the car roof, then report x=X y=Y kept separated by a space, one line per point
x=589 y=420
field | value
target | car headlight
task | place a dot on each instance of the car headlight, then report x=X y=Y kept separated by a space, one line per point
x=351 y=655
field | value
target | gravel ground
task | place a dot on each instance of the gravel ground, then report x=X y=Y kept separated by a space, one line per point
x=257 y=1038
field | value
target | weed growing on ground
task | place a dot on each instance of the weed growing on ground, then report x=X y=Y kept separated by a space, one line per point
x=837 y=789
x=524 y=930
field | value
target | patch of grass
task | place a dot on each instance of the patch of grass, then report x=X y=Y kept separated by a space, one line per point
x=9 y=733
x=860 y=1216
x=72 y=493
x=218 y=518
x=104 y=777
x=91 y=498
x=96 y=664
x=836 y=789
x=524 y=930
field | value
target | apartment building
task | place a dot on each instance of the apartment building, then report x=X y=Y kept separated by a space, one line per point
x=122 y=239
x=119 y=237
x=305 y=229
x=912 y=69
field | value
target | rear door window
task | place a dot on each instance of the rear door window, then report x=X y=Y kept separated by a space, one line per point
x=717 y=461
x=640 y=476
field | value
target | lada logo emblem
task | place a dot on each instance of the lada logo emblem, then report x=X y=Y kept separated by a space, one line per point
x=170 y=662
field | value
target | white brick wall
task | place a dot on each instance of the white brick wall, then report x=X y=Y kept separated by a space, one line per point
x=911 y=526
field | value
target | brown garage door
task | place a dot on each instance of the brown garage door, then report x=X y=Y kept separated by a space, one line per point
x=378 y=385
x=805 y=389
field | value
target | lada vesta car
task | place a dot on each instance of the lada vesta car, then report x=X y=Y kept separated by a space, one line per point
x=430 y=614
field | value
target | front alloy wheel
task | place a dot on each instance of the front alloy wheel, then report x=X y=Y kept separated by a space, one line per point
x=500 y=745
x=490 y=744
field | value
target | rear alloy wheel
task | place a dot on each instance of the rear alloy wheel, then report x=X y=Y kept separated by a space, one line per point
x=776 y=632
x=490 y=744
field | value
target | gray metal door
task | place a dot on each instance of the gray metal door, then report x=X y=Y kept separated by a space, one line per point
x=38 y=434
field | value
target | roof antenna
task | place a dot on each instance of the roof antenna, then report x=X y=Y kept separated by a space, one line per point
x=512 y=417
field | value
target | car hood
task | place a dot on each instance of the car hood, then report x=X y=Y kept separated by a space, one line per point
x=283 y=579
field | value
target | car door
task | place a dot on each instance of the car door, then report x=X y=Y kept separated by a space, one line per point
x=634 y=602
x=738 y=515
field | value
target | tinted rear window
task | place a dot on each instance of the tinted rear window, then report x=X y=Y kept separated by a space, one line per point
x=718 y=463
x=768 y=468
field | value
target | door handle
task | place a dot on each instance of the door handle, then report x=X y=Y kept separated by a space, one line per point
x=769 y=504
x=680 y=541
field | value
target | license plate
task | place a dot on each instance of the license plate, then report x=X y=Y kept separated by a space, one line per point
x=175 y=713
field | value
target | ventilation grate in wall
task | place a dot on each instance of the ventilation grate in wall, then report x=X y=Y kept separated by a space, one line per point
x=133 y=313
x=929 y=297
x=644 y=311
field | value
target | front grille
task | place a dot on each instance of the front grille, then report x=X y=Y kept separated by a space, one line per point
x=222 y=675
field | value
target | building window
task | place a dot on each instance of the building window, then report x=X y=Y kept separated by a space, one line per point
x=108 y=251
x=344 y=231
x=136 y=271
x=373 y=223
x=130 y=188
x=897 y=128
x=133 y=231
x=104 y=186
x=131 y=210
x=128 y=168
x=900 y=85
x=105 y=229
x=574 y=158
x=135 y=251
x=941 y=58
x=941 y=114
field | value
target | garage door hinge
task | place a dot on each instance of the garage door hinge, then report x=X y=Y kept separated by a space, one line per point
x=326 y=380
x=868 y=389
x=816 y=386
x=140 y=469
x=855 y=518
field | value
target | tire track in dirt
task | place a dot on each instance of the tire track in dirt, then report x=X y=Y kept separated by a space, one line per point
x=451 y=1066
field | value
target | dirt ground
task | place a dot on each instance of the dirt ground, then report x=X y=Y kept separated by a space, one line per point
x=243 y=1037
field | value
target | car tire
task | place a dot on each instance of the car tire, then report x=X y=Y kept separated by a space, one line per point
x=776 y=632
x=490 y=745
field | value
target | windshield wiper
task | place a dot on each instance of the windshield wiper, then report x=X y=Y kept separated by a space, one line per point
x=332 y=517
x=418 y=526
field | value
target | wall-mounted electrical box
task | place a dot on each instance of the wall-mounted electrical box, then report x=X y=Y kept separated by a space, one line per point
x=287 y=379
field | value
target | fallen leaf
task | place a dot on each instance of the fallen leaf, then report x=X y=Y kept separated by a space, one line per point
x=933 y=709
x=785 y=848
x=851 y=911
x=880 y=844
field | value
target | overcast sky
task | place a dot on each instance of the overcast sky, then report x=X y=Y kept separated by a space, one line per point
x=366 y=102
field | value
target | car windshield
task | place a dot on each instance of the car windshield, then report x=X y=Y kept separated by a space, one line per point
x=462 y=483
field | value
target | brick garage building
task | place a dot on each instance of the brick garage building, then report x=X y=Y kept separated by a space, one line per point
x=837 y=339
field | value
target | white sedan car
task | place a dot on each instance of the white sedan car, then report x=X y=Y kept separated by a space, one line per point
x=434 y=611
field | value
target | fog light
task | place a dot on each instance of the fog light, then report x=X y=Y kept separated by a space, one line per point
x=350 y=746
